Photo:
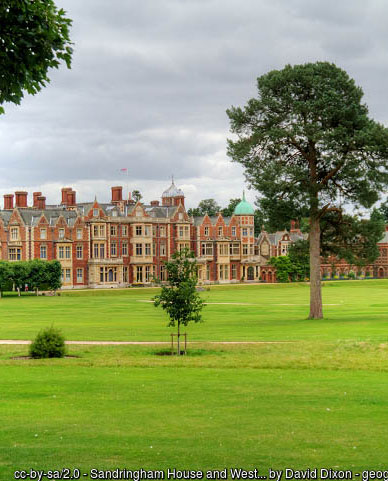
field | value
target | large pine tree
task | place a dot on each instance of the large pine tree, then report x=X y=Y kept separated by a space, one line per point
x=305 y=141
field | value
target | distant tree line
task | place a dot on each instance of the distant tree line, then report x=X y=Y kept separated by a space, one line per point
x=36 y=275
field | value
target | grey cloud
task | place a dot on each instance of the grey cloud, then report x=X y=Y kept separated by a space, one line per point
x=151 y=81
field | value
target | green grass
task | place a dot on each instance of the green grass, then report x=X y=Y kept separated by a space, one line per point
x=355 y=310
x=319 y=401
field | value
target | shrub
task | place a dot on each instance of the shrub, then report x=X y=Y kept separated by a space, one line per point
x=48 y=343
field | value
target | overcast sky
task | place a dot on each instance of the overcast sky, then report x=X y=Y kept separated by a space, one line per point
x=150 y=83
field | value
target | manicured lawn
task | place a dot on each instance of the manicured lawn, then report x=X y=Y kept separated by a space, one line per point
x=353 y=310
x=320 y=401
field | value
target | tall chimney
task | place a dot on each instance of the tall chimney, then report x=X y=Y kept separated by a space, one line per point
x=64 y=191
x=41 y=202
x=35 y=196
x=21 y=198
x=8 y=201
x=71 y=197
x=117 y=194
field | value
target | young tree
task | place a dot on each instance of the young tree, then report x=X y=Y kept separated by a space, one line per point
x=34 y=38
x=304 y=142
x=53 y=272
x=180 y=298
x=19 y=273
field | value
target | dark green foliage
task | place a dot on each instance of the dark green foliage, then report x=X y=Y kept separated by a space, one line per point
x=306 y=141
x=180 y=298
x=206 y=206
x=36 y=273
x=228 y=211
x=136 y=194
x=48 y=343
x=295 y=266
x=34 y=38
x=351 y=238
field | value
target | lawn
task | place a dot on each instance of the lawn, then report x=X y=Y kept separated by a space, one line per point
x=353 y=310
x=319 y=401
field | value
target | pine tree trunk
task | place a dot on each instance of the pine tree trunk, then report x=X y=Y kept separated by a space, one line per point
x=315 y=270
x=179 y=347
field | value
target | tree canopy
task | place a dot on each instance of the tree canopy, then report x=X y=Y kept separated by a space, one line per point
x=34 y=38
x=206 y=206
x=306 y=143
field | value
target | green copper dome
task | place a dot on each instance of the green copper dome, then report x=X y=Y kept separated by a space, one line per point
x=244 y=207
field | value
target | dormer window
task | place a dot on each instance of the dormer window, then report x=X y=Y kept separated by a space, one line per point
x=95 y=212
x=14 y=233
x=233 y=231
x=43 y=233
x=180 y=216
x=206 y=231
x=220 y=231
x=61 y=233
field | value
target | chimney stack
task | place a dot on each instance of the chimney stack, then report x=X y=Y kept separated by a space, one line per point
x=64 y=191
x=41 y=202
x=117 y=194
x=21 y=198
x=154 y=203
x=71 y=194
x=35 y=196
x=8 y=201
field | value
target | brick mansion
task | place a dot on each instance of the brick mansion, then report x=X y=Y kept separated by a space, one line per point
x=124 y=242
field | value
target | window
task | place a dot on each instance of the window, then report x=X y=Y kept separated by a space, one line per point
x=139 y=249
x=162 y=231
x=95 y=212
x=14 y=233
x=207 y=249
x=43 y=233
x=162 y=249
x=79 y=234
x=147 y=249
x=80 y=275
x=43 y=252
x=113 y=249
x=102 y=251
x=79 y=252
x=284 y=248
x=206 y=231
x=95 y=230
x=68 y=252
x=233 y=231
x=187 y=231
x=224 y=272
x=162 y=273
x=124 y=249
x=245 y=231
x=154 y=249
x=181 y=231
x=234 y=271
x=98 y=251
x=61 y=252
x=220 y=231
x=147 y=231
x=234 y=249
x=124 y=230
x=125 y=274
x=138 y=230
x=223 y=249
x=113 y=230
x=245 y=249
x=180 y=216
x=207 y=272
x=61 y=233
x=148 y=273
x=15 y=254
x=68 y=275
x=139 y=274
x=102 y=231
x=95 y=251
x=139 y=212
